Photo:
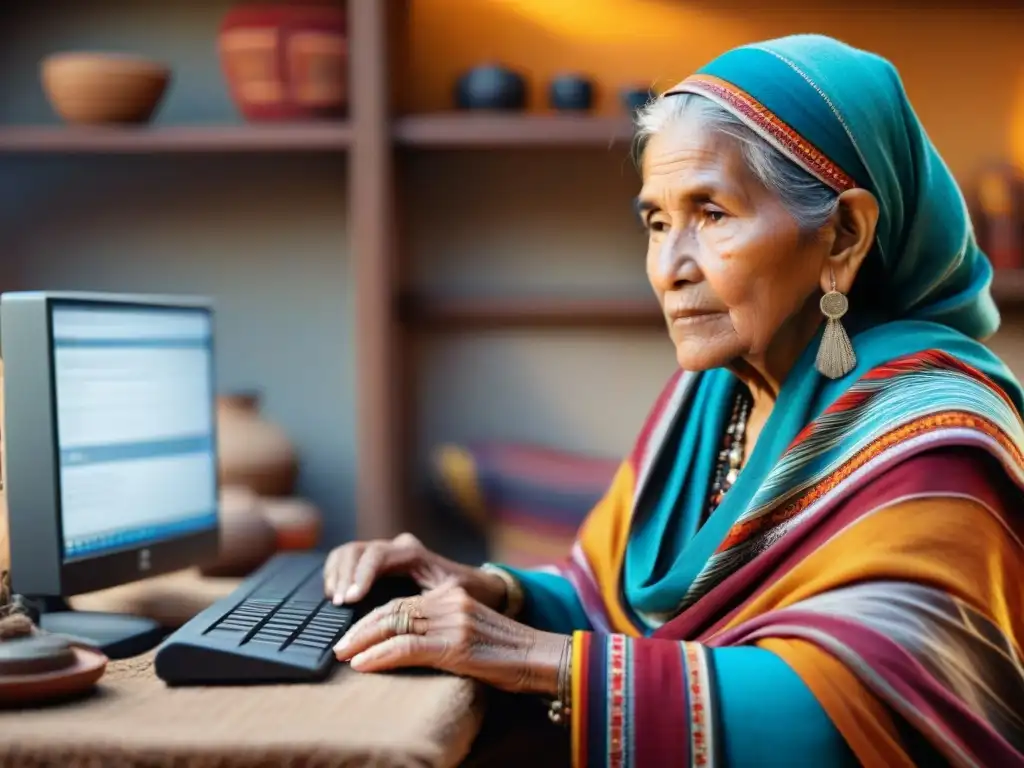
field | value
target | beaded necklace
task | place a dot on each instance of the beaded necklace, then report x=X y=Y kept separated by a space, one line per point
x=730 y=456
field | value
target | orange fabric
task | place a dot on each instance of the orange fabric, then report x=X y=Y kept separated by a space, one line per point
x=920 y=541
x=862 y=720
x=603 y=537
x=955 y=545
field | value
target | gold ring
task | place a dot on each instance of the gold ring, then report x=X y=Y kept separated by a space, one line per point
x=403 y=620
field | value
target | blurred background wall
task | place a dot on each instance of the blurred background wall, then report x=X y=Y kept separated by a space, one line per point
x=266 y=234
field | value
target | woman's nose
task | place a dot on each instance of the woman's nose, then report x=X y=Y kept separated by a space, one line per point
x=674 y=264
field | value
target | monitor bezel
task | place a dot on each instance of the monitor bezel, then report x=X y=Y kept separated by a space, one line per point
x=102 y=570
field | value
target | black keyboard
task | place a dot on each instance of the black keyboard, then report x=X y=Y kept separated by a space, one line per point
x=277 y=626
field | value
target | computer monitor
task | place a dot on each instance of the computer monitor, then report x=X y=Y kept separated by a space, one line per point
x=110 y=450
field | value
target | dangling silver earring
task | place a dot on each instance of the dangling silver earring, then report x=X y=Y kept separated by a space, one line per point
x=835 y=354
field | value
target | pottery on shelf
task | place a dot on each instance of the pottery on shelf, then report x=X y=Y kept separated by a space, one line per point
x=253 y=453
x=97 y=88
x=573 y=93
x=297 y=523
x=285 y=61
x=247 y=539
x=491 y=87
x=999 y=212
x=635 y=99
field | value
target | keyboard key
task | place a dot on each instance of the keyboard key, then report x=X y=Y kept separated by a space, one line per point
x=224 y=634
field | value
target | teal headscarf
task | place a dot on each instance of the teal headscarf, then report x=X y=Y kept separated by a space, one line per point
x=851 y=105
x=822 y=101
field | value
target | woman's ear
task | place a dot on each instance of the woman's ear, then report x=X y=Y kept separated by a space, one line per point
x=855 y=221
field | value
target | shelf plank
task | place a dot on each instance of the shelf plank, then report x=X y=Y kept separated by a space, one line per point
x=316 y=137
x=482 y=131
x=531 y=312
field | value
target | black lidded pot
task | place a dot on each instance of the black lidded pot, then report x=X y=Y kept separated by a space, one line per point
x=491 y=86
x=571 y=92
x=634 y=99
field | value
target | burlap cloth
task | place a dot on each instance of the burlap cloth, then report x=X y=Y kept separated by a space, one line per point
x=353 y=719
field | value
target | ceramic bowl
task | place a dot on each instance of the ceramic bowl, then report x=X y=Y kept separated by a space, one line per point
x=98 y=88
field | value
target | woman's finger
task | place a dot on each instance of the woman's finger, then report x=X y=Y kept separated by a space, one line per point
x=366 y=571
x=344 y=566
x=376 y=627
x=330 y=573
x=379 y=558
x=401 y=616
x=402 y=651
x=337 y=566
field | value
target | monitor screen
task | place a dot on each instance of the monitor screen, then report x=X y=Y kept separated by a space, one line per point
x=134 y=391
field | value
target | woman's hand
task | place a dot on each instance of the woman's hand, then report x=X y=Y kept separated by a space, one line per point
x=447 y=629
x=351 y=569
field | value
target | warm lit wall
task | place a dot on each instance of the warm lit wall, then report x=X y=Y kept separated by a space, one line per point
x=963 y=66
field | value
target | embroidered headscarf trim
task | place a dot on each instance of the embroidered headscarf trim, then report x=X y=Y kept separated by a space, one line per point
x=768 y=125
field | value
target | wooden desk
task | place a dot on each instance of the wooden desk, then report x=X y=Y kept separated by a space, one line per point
x=134 y=721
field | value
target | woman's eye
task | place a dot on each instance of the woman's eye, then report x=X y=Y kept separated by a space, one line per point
x=656 y=225
x=713 y=215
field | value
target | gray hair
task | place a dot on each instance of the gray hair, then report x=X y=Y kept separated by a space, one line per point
x=807 y=199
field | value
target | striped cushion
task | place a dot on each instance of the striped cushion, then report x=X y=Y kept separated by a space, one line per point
x=529 y=500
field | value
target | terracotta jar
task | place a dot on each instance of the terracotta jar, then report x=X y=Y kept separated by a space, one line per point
x=253 y=453
x=1000 y=215
x=296 y=522
x=247 y=539
x=286 y=62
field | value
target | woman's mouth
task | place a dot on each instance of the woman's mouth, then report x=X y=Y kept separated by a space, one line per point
x=689 y=316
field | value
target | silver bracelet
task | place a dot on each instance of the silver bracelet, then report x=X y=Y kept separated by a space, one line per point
x=560 y=708
x=514 y=596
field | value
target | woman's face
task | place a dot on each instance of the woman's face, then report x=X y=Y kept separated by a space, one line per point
x=736 y=277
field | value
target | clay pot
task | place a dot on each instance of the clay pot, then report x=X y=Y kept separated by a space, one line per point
x=999 y=215
x=571 y=93
x=297 y=522
x=491 y=87
x=285 y=62
x=635 y=99
x=97 y=88
x=253 y=453
x=246 y=538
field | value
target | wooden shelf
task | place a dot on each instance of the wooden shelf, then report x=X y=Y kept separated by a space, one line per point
x=317 y=137
x=495 y=312
x=481 y=131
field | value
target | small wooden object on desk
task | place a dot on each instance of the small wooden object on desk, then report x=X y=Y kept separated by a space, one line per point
x=41 y=668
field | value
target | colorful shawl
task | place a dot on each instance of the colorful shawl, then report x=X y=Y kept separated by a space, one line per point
x=873 y=541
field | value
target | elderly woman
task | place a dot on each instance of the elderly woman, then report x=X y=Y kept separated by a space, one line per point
x=813 y=554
